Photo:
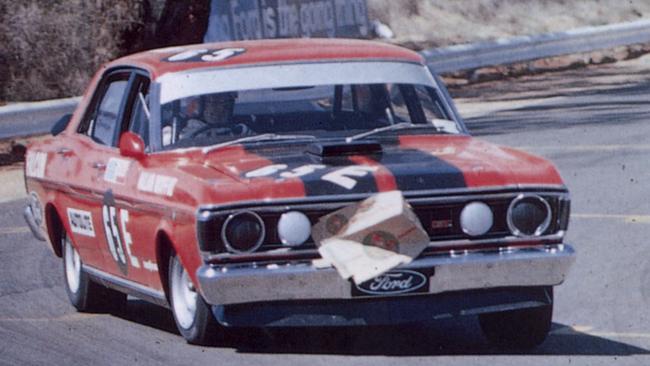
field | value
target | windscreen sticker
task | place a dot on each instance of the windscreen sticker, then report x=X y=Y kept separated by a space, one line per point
x=206 y=55
x=81 y=222
x=157 y=184
x=35 y=164
x=116 y=170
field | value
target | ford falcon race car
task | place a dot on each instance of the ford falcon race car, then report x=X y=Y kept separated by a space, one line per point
x=191 y=177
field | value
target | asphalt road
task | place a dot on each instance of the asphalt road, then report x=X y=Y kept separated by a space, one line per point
x=593 y=123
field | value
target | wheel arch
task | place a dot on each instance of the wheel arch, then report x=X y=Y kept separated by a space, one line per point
x=164 y=248
x=55 y=228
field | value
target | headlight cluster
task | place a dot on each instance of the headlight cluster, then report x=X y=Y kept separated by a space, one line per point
x=245 y=231
x=527 y=215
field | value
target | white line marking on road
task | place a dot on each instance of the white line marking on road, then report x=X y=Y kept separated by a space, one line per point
x=14 y=230
x=596 y=148
x=63 y=318
x=587 y=330
x=628 y=219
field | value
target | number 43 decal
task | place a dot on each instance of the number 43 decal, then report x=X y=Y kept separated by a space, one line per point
x=118 y=238
x=206 y=55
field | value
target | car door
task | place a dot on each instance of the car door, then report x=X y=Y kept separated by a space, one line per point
x=108 y=171
x=80 y=161
x=129 y=223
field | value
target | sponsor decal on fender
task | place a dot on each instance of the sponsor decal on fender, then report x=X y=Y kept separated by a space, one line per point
x=81 y=222
x=116 y=170
x=150 y=266
x=35 y=164
x=394 y=282
x=157 y=184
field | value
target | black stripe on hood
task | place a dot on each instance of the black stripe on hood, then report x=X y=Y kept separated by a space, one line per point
x=416 y=170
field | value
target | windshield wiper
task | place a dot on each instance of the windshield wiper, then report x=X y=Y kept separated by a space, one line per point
x=398 y=126
x=262 y=137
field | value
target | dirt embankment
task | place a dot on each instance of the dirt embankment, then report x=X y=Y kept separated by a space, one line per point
x=421 y=24
x=434 y=23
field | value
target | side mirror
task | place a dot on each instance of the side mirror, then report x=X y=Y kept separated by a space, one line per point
x=131 y=146
x=60 y=125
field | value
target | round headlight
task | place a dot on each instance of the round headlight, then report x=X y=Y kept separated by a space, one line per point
x=243 y=232
x=529 y=215
x=476 y=218
x=294 y=228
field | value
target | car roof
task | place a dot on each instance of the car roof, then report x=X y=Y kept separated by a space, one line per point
x=277 y=51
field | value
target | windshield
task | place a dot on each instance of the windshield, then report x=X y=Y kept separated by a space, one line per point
x=303 y=111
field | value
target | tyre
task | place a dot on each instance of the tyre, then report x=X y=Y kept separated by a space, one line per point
x=519 y=329
x=192 y=314
x=84 y=294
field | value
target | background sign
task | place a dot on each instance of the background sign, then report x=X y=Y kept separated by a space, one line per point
x=256 y=19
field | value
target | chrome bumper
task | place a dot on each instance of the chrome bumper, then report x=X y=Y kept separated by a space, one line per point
x=28 y=214
x=544 y=266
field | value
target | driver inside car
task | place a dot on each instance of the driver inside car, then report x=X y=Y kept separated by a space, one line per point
x=214 y=117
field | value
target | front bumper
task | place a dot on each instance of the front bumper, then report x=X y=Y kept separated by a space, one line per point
x=514 y=267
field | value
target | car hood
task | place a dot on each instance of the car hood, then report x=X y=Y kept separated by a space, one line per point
x=410 y=163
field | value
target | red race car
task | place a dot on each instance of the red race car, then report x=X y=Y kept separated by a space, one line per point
x=191 y=177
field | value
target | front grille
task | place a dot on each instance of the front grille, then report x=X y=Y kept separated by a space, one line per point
x=439 y=217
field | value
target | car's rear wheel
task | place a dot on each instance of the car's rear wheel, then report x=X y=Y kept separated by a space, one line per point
x=84 y=294
x=520 y=329
x=192 y=314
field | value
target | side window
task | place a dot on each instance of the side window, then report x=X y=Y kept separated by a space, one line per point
x=430 y=102
x=105 y=122
x=140 y=118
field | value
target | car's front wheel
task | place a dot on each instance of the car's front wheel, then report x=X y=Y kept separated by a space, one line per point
x=520 y=329
x=192 y=314
x=84 y=294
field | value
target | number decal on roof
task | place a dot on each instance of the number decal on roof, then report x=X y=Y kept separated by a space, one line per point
x=206 y=55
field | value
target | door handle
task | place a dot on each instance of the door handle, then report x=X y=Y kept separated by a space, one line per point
x=64 y=151
x=99 y=165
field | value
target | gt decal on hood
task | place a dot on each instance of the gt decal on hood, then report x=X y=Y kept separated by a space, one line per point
x=342 y=177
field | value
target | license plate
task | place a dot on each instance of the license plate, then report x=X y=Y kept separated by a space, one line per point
x=395 y=282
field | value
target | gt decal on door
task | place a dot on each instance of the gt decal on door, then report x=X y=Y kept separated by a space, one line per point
x=119 y=242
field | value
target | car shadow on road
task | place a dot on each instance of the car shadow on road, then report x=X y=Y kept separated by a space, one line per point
x=461 y=336
x=145 y=313
x=435 y=339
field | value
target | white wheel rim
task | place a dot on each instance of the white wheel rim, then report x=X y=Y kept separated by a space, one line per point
x=184 y=297
x=72 y=266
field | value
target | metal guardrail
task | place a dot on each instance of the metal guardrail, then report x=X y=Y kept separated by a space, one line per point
x=528 y=48
x=32 y=118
